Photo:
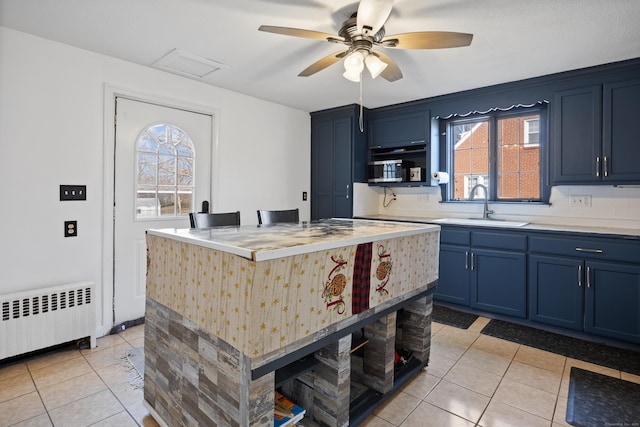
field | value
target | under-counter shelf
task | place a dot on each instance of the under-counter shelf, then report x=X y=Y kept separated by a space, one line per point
x=368 y=400
x=365 y=353
x=295 y=369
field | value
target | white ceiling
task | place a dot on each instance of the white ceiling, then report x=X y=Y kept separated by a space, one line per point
x=513 y=39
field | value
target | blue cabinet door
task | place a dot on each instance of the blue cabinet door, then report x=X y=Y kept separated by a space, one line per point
x=621 y=145
x=612 y=300
x=322 y=169
x=453 y=279
x=498 y=282
x=399 y=129
x=342 y=165
x=556 y=295
x=577 y=135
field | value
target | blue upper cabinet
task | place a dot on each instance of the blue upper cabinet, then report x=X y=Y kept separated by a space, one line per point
x=402 y=133
x=399 y=128
x=621 y=144
x=577 y=135
x=594 y=136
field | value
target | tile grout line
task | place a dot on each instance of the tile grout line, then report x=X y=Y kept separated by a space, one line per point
x=46 y=411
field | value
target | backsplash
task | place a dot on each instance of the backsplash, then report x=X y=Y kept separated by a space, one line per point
x=608 y=206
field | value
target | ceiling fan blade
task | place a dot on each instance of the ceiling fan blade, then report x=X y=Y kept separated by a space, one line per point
x=323 y=63
x=427 y=40
x=296 y=32
x=372 y=14
x=392 y=71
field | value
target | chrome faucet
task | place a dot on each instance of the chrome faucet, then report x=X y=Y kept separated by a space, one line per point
x=485 y=212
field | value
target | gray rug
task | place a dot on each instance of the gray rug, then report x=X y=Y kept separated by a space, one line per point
x=452 y=317
x=592 y=352
x=135 y=359
x=599 y=400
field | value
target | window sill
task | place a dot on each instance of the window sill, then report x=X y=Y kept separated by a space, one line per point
x=499 y=202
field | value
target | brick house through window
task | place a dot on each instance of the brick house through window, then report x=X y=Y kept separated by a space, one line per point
x=514 y=143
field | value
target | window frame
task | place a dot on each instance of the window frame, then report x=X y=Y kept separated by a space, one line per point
x=447 y=144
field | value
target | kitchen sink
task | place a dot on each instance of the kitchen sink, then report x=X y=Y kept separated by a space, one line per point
x=480 y=221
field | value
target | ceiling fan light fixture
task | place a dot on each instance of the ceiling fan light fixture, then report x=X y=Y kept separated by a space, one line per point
x=352 y=75
x=353 y=65
x=375 y=65
x=354 y=61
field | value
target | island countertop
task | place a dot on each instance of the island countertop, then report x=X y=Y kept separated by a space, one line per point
x=261 y=243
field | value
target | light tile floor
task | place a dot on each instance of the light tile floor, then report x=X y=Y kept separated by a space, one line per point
x=472 y=379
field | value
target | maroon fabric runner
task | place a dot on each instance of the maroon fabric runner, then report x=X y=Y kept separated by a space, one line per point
x=361 y=279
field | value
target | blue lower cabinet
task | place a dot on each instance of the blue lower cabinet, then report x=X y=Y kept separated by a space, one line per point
x=556 y=295
x=498 y=282
x=453 y=278
x=597 y=297
x=585 y=284
x=612 y=300
x=488 y=280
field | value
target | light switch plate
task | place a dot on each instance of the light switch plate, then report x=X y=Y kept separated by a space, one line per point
x=73 y=192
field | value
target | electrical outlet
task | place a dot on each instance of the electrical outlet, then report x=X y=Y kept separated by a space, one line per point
x=70 y=228
x=582 y=201
x=304 y=196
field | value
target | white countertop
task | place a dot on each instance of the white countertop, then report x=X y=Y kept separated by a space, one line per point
x=260 y=243
x=612 y=231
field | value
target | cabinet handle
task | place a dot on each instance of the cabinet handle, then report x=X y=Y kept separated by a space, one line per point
x=472 y=261
x=597 y=165
x=417 y=142
x=606 y=169
x=588 y=279
x=347 y=191
x=579 y=276
x=592 y=251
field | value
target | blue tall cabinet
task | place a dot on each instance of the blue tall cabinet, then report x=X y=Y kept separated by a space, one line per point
x=338 y=160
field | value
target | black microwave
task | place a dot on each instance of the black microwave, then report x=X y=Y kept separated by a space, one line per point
x=386 y=171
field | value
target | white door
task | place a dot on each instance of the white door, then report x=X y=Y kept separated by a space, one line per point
x=155 y=148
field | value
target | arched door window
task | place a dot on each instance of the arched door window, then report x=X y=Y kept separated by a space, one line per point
x=165 y=173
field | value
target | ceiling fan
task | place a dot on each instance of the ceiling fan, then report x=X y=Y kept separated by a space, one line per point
x=363 y=31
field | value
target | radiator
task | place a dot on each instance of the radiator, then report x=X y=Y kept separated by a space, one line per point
x=33 y=320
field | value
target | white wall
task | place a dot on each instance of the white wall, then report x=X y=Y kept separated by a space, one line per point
x=615 y=207
x=52 y=132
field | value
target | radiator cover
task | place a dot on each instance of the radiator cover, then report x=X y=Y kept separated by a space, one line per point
x=33 y=320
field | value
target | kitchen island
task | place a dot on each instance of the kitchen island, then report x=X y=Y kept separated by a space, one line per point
x=232 y=313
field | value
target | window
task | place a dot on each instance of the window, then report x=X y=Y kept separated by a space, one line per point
x=500 y=151
x=532 y=132
x=471 y=181
x=165 y=173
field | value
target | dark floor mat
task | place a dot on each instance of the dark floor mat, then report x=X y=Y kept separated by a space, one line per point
x=450 y=317
x=599 y=400
x=600 y=354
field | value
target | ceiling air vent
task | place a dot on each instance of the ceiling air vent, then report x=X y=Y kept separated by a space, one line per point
x=187 y=64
